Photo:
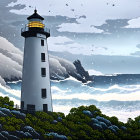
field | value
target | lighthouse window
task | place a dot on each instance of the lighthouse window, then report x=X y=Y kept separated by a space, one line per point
x=43 y=57
x=45 y=107
x=42 y=42
x=44 y=93
x=43 y=72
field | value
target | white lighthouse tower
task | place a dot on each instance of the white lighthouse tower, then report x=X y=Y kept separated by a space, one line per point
x=36 y=90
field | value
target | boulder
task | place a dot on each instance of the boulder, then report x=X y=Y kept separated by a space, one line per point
x=123 y=128
x=93 y=120
x=19 y=134
x=11 y=137
x=6 y=104
x=81 y=72
x=59 y=119
x=2 y=114
x=115 y=127
x=3 y=137
x=112 y=129
x=88 y=113
x=104 y=126
x=54 y=122
x=29 y=129
x=28 y=135
x=57 y=136
x=102 y=119
x=8 y=136
x=6 y=111
x=18 y=114
x=5 y=133
x=94 y=112
x=97 y=126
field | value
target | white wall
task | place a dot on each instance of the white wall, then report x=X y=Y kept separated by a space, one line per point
x=33 y=82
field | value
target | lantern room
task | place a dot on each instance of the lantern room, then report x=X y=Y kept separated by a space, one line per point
x=35 y=21
x=35 y=25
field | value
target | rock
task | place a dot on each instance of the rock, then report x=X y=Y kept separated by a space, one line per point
x=112 y=129
x=88 y=113
x=104 y=126
x=97 y=126
x=6 y=111
x=94 y=112
x=28 y=135
x=81 y=71
x=31 y=131
x=115 y=127
x=5 y=133
x=19 y=134
x=2 y=114
x=54 y=122
x=59 y=119
x=123 y=128
x=11 y=137
x=6 y=104
x=93 y=120
x=3 y=137
x=8 y=136
x=107 y=122
x=57 y=136
x=18 y=114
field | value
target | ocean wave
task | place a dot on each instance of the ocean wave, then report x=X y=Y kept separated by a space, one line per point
x=112 y=100
x=14 y=82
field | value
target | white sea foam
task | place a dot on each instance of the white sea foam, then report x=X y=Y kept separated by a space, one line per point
x=105 y=97
x=65 y=92
x=127 y=93
x=14 y=82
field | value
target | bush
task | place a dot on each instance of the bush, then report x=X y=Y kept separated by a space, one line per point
x=76 y=125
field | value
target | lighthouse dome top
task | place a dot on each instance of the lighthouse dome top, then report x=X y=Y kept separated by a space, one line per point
x=35 y=16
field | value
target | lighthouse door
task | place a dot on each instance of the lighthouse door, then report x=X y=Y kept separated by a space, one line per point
x=45 y=107
x=30 y=108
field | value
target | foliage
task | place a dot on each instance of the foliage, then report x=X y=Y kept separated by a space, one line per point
x=76 y=125
x=6 y=103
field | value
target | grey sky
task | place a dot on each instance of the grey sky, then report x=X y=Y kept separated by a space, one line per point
x=94 y=30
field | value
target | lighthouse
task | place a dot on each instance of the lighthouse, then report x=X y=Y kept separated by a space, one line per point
x=35 y=89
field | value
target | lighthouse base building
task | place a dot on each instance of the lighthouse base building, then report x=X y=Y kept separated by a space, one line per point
x=36 y=89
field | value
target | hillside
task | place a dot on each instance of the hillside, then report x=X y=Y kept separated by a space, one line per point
x=82 y=123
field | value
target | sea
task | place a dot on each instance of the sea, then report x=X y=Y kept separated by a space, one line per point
x=115 y=95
